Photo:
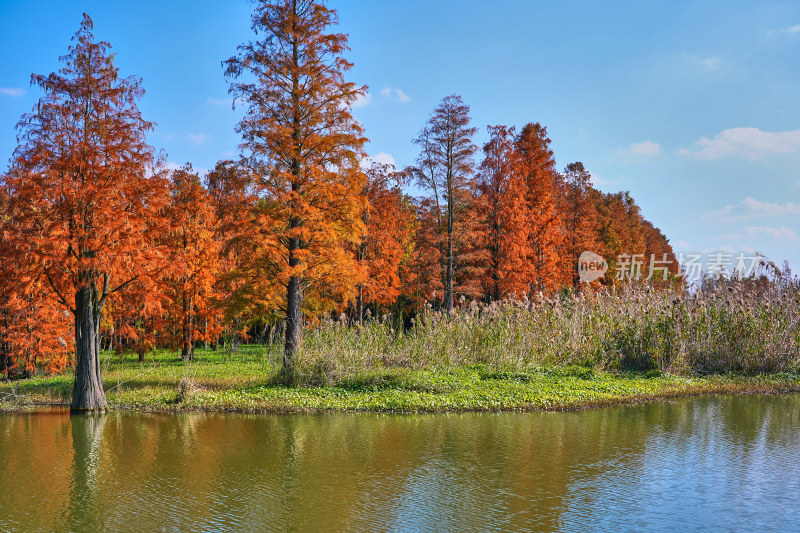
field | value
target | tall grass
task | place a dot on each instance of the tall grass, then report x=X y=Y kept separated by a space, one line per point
x=726 y=328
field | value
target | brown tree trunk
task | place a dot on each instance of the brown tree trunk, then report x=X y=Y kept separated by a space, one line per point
x=87 y=393
x=190 y=333
x=185 y=328
x=448 y=289
x=360 y=304
x=5 y=350
x=293 y=329
x=293 y=296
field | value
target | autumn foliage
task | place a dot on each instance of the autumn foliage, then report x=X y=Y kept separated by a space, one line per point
x=83 y=207
x=305 y=149
x=385 y=253
x=103 y=247
x=193 y=255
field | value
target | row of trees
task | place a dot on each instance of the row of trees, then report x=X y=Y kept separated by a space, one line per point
x=101 y=245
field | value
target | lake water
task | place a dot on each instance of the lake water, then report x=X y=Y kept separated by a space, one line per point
x=706 y=464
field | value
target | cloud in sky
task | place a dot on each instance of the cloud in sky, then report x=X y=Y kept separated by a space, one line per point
x=363 y=100
x=599 y=181
x=12 y=91
x=785 y=31
x=211 y=100
x=395 y=94
x=782 y=233
x=383 y=158
x=198 y=138
x=711 y=63
x=645 y=148
x=387 y=92
x=751 y=143
x=750 y=208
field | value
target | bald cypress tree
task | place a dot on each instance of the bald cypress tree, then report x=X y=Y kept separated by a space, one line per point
x=304 y=148
x=445 y=169
x=85 y=203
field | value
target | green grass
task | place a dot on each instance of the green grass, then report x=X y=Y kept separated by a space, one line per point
x=245 y=381
x=564 y=352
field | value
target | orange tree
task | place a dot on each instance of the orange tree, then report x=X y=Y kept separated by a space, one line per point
x=304 y=148
x=507 y=215
x=194 y=257
x=544 y=221
x=579 y=218
x=385 y=250
x=230 y=187
x=85 y=204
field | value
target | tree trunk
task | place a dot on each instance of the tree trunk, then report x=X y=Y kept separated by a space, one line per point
x=5 y=350
x=294 y=326
x=87 y=394
x=294 y=329
x=360 y=304
x=186 y=331
x=448 y=289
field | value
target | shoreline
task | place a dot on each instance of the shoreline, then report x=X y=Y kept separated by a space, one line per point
x=532 y=392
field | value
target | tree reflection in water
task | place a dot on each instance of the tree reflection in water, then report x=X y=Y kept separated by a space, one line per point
x=712 y=461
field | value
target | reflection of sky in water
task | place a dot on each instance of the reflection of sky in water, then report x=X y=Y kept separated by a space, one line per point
x=709 y=463
x=716 y=472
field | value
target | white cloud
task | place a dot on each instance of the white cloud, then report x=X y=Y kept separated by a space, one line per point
x=363 y=100
x=784 y=31
x=645 y=148
x=395 y=94
x=782 y=233
x=751 y=208
x=729 y=237
x=12 y=91
x=751 y=143
x=599 y=181
x=219 y=101
x=383 y=158
x=711 y=63
x=198 y=138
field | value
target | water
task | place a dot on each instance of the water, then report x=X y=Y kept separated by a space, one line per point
x=709 y=464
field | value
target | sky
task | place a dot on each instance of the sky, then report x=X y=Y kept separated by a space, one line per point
x=691 y=106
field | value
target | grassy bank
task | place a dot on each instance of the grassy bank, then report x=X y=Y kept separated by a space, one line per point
x=559 y=353
x=241 y=382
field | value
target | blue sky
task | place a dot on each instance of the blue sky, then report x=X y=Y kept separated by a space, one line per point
x=692 y=106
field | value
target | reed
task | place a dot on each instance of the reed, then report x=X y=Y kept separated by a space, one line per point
x=725 y=328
